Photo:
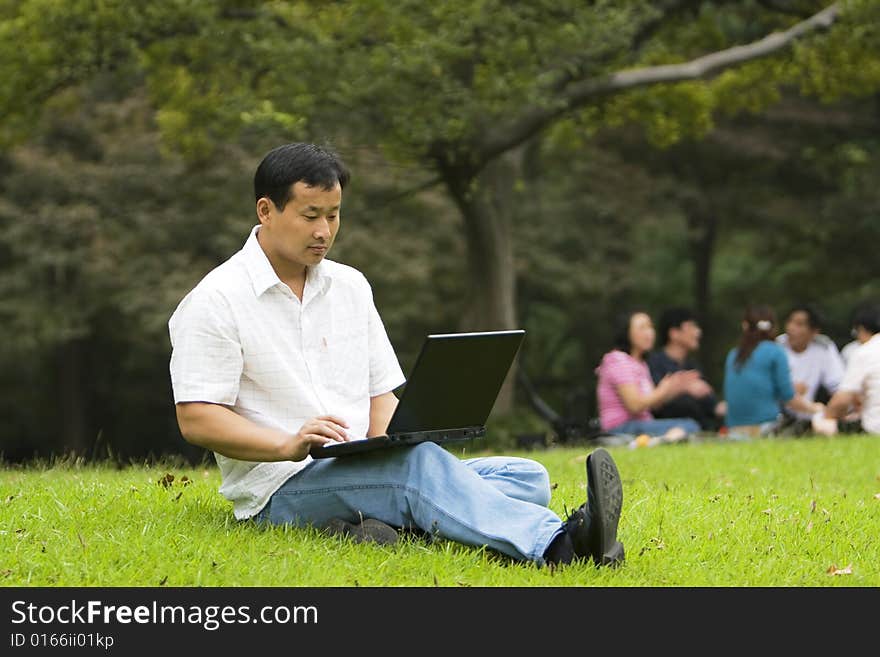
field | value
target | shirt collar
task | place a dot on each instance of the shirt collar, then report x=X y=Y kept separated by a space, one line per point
x=263 y=275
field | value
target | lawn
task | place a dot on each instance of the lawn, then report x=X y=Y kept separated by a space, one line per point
x=777 y=512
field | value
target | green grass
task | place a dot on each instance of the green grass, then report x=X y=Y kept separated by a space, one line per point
x=765 y=513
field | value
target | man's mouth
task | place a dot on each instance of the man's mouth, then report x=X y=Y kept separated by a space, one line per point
x=318 y=248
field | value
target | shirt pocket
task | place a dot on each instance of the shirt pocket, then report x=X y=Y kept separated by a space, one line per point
x=348 y=352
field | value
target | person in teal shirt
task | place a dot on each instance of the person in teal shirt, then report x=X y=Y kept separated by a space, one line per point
x=757 y=378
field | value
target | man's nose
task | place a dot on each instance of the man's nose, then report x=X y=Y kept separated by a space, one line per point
x=322 y=229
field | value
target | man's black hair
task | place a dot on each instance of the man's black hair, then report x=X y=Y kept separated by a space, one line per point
x=814 y=317
x=299 y=162
x=868 y=317
x=673 y=318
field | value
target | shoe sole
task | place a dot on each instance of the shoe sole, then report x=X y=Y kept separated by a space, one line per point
x=608 y=493
x=378 y=532
x=368 y=531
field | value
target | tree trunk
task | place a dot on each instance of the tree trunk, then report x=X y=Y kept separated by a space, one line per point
x=485 y=204
x=72 y=398
x=703 y=230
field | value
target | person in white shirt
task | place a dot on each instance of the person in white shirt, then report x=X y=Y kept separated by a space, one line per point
x=848 y=350
x=860 y=387
x=813 y=358
x=280 y=349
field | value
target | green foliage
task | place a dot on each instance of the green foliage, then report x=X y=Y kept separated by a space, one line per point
x=843 y=62
x=406 y=75
x=100 y=237
x=668 y=114
x=47 y=46
x=443 y=73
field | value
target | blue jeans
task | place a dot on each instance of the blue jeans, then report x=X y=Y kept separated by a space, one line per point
x=656 y=427
x=499 y=502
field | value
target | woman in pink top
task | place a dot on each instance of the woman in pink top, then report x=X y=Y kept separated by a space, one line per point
x=626 y=392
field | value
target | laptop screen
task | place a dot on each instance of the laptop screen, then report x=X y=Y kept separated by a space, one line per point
x=455 y=381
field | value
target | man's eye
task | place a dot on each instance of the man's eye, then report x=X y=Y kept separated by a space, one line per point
x=310 y=217
x=331 y=217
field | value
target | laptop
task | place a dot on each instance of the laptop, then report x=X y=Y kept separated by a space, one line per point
x=449 y=394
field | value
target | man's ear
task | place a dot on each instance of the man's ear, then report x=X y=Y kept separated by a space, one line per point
x=264 y=209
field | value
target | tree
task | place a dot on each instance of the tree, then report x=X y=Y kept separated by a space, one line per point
x=455 y=87
x=100 y=237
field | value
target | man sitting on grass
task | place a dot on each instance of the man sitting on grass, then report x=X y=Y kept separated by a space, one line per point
x=860 y=386
x=279 y=349
x=680 y=333
x=815 y=363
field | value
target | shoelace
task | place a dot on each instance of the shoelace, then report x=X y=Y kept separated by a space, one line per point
x=572 y=517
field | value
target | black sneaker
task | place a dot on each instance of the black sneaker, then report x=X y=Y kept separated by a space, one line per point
x=367 y=531
x=592 y=527
x=604 y=503
x=575 y=537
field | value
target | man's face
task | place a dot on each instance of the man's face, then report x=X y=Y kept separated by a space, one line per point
x=862 y=334
x=302 y=233
x=687 y=335
x=799 y=331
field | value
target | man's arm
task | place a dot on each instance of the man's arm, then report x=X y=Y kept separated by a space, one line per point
x=837 y=408
x=219 y=429
x=832 y=373
x=381 y=409
x=840 y=403
x=801 y=404
x=670 y=386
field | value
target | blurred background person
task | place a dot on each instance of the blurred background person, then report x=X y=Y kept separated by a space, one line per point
x=859 y=391
x=847 y=350
x=679 y=335
x=815 y=363
x=757 y=378
x=626 y=393
x=850 y=348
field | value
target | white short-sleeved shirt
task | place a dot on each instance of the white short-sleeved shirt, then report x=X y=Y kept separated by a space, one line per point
x=819 y=364
x=848 y=350
x=863 y=377
x=243 y=339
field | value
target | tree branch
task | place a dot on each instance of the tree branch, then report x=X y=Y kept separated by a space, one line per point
x=412 y=191
x=581 y=93
x=575 y=68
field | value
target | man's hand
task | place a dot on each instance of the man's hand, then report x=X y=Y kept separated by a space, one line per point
x=698 y=388
x=824 y=425
x=677 y=383
x=669 y=387
x=316 y=432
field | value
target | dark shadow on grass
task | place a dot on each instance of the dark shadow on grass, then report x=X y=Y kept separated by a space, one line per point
x=410 y=538
x=72 y=460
